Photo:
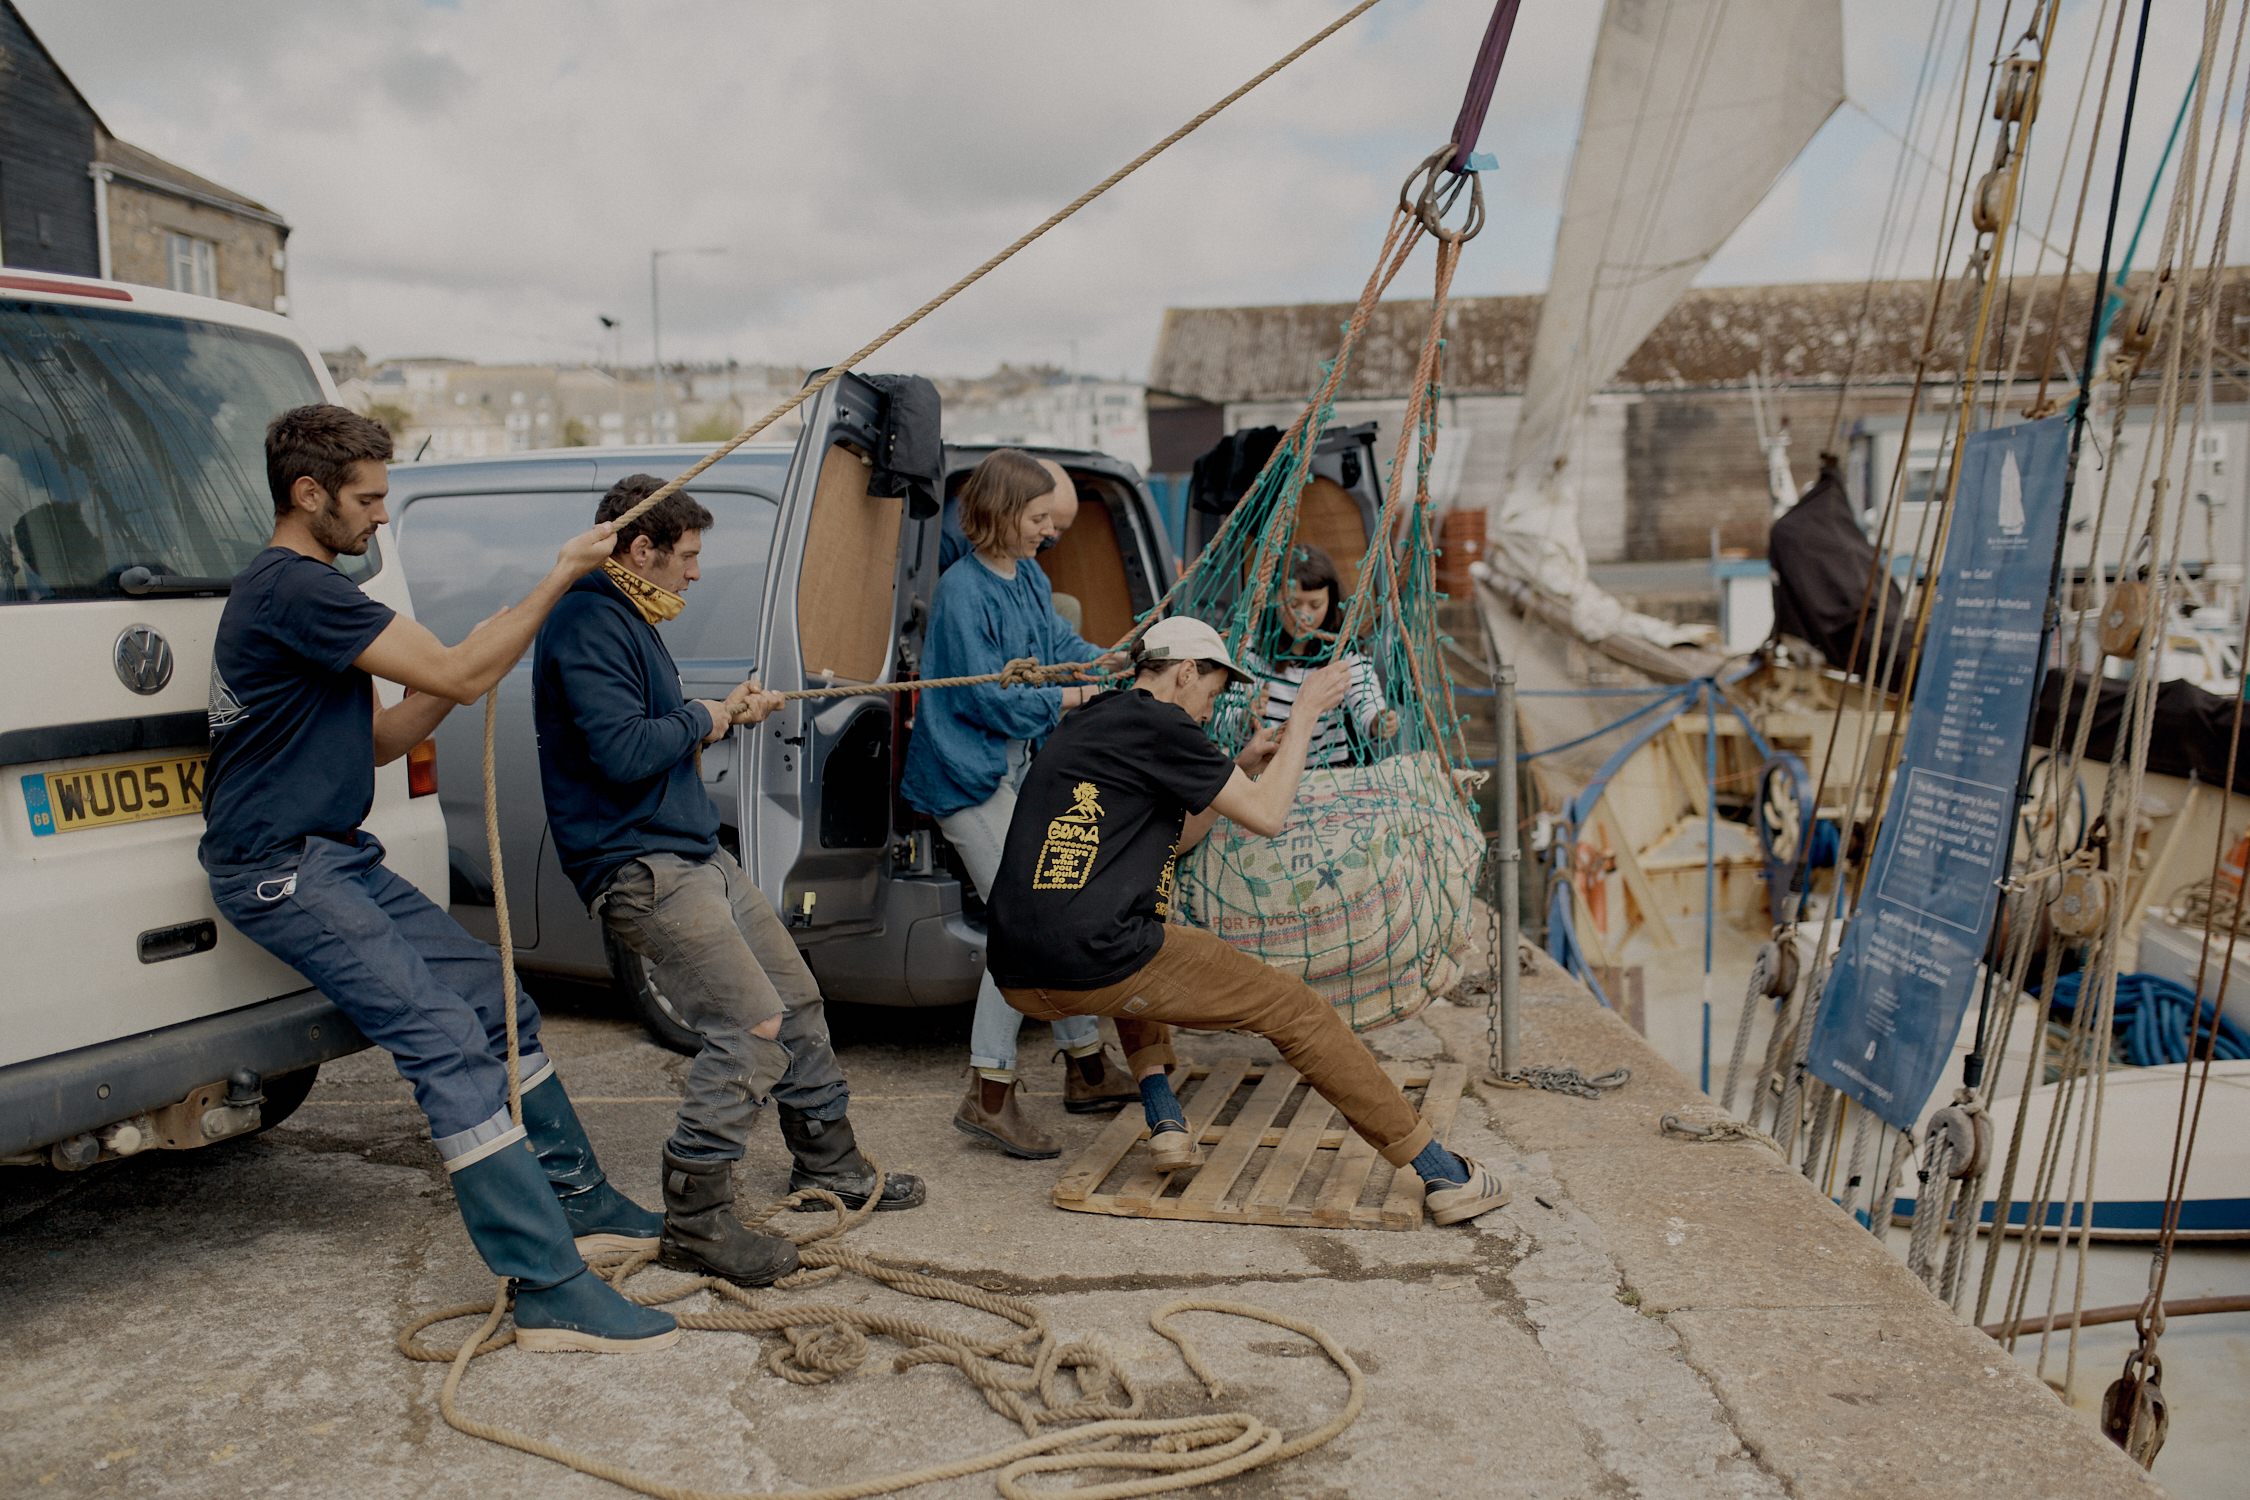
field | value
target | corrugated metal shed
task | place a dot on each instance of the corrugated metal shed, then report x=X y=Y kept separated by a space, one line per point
x=1720 y=336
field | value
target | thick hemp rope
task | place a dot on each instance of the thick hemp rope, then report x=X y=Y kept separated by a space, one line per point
x=836 y=371
x=1028 y=1376
x=826 y=1341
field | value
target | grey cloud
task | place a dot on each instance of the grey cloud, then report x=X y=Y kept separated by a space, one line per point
x=484 y=179
x=422 y=80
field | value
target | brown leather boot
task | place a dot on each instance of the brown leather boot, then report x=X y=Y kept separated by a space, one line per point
x=989 y=1110
x=1098 y=1083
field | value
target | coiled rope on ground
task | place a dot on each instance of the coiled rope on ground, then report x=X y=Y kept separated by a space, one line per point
x=1030 y=1376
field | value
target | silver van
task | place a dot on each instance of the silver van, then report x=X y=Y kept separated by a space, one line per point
x=807 y=580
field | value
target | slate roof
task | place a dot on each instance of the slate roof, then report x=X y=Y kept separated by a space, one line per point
x=147 y=167
x=1797 y=334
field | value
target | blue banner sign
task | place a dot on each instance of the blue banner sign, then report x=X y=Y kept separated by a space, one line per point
x=1908 y=965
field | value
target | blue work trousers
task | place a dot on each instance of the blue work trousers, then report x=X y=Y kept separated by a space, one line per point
x=407 y=975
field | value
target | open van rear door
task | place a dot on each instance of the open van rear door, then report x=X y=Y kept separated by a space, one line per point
x=816 y=807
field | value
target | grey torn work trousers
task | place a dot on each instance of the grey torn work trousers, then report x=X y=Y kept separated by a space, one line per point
x=727 y=964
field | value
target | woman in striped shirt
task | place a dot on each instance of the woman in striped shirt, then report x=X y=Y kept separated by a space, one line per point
x=1298 y=640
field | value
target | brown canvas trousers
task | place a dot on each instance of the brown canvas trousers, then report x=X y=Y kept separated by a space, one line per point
x=1200 y=981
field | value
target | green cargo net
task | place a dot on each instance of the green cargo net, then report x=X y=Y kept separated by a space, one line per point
x=1366 y=892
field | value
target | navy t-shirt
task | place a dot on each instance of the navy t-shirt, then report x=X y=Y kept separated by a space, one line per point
x=292 y=720
x=1085 y=879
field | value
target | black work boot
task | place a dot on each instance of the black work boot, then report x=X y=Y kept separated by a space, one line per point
x=702 y=1234
x=828 y=1157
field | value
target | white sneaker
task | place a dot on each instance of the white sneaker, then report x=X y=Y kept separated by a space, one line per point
x=1453 y=1202
x=1174 y=1151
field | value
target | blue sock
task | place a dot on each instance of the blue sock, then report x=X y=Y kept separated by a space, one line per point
x=1160 y=1104
x=1436 y=1164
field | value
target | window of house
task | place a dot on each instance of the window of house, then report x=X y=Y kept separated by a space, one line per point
x=193 y=264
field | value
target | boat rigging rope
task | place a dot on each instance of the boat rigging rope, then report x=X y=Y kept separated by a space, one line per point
x=2006 y=392
x=1888 y=645
x=2039 y=406
x=2142 y=1438
x=2184 y=230
x=2080 y=1054
x=2062 y=771
x=1787 y=1047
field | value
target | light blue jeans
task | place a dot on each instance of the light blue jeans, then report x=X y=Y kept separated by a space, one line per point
x=978 y=834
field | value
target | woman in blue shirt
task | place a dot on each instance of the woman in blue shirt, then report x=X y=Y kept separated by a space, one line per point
x=970 y=748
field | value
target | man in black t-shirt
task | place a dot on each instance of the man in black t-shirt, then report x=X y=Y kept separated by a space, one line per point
x=1078 y=910
x=296 y=735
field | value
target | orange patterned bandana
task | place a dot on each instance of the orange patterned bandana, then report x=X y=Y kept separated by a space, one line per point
x=656 y=604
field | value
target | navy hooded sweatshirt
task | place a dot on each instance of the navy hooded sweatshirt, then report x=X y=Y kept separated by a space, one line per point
x=617 y=740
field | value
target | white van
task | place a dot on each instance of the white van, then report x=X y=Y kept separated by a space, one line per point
x=132 y=488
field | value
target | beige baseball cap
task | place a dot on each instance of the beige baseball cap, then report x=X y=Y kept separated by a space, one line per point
x=1185 y=638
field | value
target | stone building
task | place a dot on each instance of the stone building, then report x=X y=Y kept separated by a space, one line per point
x=1669 y=463
x=163 y=225
x=77 y=200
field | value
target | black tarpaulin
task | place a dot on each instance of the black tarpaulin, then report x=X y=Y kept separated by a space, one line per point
x=1821 y=563
x=2190 y=737
x=1224 y=475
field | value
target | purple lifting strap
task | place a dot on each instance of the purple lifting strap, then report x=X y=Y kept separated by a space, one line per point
x=1482 y=78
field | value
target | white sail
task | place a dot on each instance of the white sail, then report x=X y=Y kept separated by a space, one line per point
x=1695 y=109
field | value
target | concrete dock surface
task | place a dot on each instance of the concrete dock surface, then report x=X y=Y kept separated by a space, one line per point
x=1648 y=1317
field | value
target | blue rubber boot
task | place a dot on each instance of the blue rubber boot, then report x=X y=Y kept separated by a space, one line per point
x=520 y=1231
x=602 y=1220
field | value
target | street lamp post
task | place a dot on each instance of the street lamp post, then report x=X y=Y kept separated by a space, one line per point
x=616 y=330
x=656 y=316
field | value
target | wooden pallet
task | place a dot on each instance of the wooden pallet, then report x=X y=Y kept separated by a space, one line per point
x=1309 y=1172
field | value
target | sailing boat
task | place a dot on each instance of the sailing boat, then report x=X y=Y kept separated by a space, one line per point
x=1694 y=110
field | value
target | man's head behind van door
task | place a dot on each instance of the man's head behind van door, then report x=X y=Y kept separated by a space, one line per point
x=1065 y=503
x=326 y=464
x=663 y=545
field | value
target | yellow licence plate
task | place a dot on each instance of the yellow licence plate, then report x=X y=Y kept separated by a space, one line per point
x=66 y=801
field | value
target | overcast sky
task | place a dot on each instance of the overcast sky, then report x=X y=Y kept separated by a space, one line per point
x=484 y=177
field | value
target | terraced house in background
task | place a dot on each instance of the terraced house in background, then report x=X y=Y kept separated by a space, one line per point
x=76 y=199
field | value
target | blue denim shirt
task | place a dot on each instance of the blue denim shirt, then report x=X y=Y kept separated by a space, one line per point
x=981 y=622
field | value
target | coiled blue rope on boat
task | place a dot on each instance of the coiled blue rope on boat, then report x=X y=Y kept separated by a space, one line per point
x=2153 y=1017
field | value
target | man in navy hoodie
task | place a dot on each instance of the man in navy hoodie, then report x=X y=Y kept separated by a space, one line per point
x=619 y=746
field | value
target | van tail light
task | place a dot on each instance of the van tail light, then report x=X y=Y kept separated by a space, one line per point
x=421 y=770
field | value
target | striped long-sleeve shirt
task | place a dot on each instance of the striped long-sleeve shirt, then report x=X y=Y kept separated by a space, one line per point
x=1363 y=705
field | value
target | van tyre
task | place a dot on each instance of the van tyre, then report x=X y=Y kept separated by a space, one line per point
x=634 y=980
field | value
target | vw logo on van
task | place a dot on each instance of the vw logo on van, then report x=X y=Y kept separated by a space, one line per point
x=143 y=659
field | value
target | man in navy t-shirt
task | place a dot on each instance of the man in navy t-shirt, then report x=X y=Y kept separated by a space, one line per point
x=296 y=735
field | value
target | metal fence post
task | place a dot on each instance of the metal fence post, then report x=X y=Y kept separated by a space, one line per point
x=1510 y=849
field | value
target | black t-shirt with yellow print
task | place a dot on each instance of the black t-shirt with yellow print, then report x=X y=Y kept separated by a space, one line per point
x=1085 y=881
